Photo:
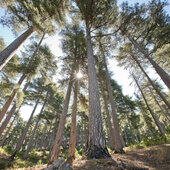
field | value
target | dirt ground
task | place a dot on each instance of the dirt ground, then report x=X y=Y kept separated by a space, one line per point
x=151 y=158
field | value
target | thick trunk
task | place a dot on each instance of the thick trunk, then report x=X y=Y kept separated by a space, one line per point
x=158 y=124
x=8 y=52
x=34 y=130
x=151 y=82
x=59 y=136
x=9 y=101
x=109 y=123
x=22 y=137
x=164 y=76
x=7 y=132
x=11 y=112
x=72 y=143
x=96 y=143
x=118 y=141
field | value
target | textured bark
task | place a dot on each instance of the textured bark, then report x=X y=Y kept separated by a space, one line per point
x=164 y=76
x=151 y=82
x=7 y=132
x=59 y=136
x=158 y=124
x=22 y=137
x=8 y=52
x=11 y=112
x=72 y=143
x=109 y=123
x=34 y=130
x=118 y=141
x=9 y=101
x=96 y=143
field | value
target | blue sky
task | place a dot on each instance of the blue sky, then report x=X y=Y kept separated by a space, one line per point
x=120 y=75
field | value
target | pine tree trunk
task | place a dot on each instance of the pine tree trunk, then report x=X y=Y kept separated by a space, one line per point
x=9 y=101
x=6 y=121
x=34 y=130
x=14 y=92
x=7 y=132
x=23 y=135
x=118 y=141
x=8 y=52
x=11 y=112
x=162 y=111
x=72 y=143
x=59 y=136
x=96 y=143
x=164 y=76
x=158 y=124
x=109 y=123
x=151 y=82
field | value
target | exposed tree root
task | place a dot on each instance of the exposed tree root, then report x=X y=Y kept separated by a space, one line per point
x=95 y=152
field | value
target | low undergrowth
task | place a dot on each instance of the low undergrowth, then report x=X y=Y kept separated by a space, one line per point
x=35 y=158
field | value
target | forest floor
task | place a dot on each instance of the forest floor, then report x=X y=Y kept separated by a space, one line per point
x=151 y=158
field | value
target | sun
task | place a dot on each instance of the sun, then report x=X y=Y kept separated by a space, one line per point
x=79 y=75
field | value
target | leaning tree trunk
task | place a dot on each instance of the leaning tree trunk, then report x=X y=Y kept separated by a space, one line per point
x=59 y=136
x=72 y=143
x=151 y=82
x=96 y=143
x=119 y=143
x=9 y=101
x=22 y=137
x=11 y=112
x=109 y=123
x=158 y=124
x=7 y=132
x=164 y=76
x=162 y=111
x=7 y=53
x=34 y=130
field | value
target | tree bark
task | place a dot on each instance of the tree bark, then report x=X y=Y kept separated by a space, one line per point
x=11 y=112
x=9 y=101
x=8 y=52
x=96 y=143
x=151 y=82
x=118 y=140
x=59 y=136
x=164 y=76
x=7 y=132
x=22 y=137
x=109 y=123
x=158 y=124
x=72 y=143
x=34 y=130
